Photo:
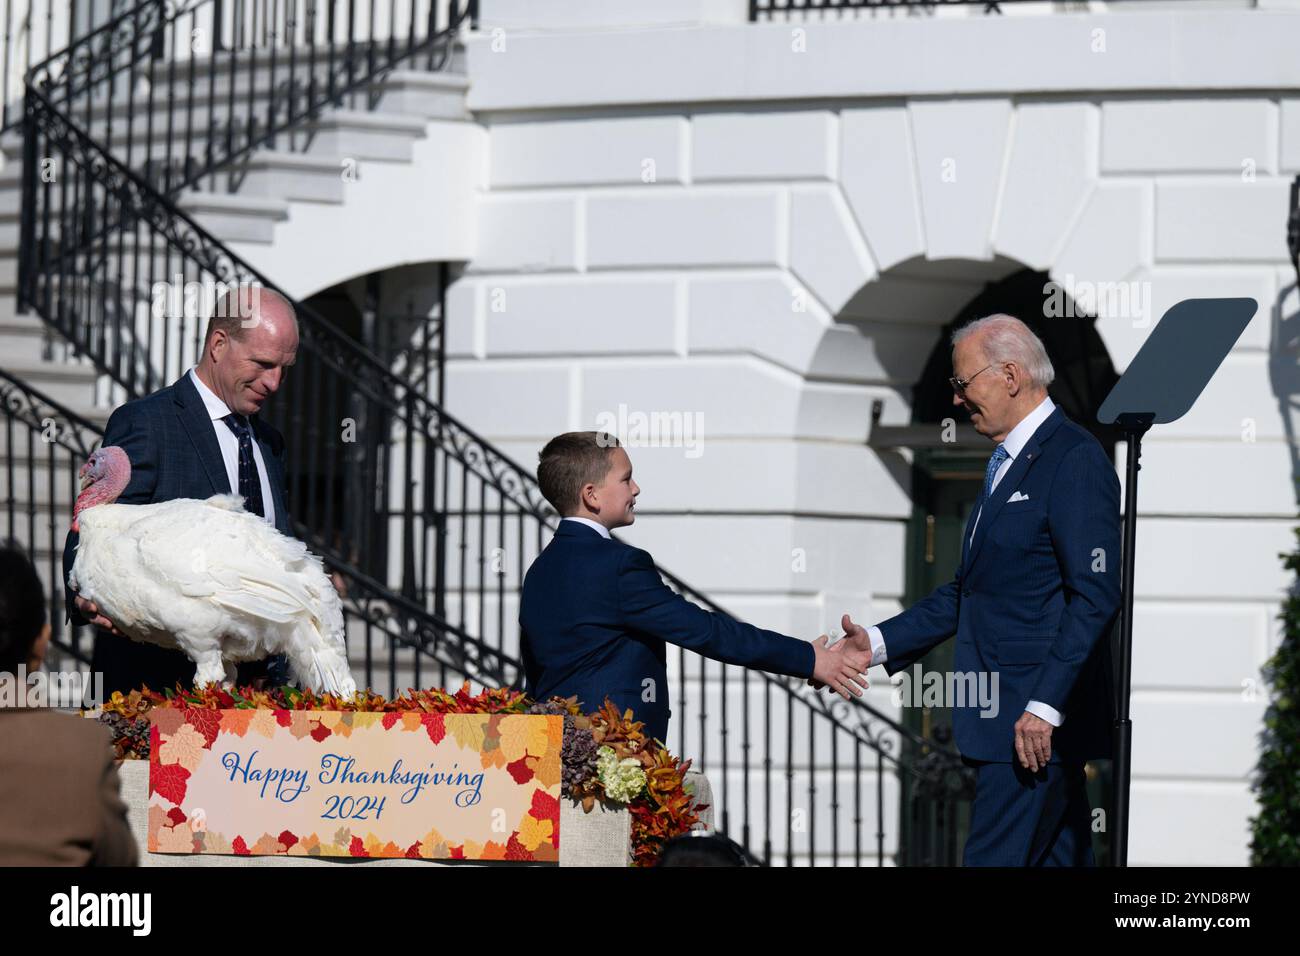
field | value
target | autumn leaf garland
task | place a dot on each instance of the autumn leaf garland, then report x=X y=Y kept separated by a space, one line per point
x=636 y=766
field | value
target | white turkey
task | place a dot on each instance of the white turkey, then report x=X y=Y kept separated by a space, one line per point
x=208 y=578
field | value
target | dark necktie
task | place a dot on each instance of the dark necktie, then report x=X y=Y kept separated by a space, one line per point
x=250 y=485
x=1000 y=454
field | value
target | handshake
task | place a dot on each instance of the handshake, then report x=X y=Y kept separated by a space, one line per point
x=842 y=667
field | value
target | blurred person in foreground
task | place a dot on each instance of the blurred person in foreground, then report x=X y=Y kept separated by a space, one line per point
x=702 y=848
x=59 y=798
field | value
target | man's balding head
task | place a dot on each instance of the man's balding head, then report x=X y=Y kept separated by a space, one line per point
x=242 y=309
x=252 y=339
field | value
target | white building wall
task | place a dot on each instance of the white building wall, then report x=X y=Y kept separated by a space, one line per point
x=747 y=223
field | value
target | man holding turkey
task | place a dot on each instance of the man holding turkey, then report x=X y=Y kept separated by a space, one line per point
x=195 y=438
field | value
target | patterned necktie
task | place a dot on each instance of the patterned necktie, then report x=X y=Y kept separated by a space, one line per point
x=999 y=455
x=250 y=485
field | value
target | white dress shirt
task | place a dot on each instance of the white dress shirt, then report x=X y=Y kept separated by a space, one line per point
x=217 y=410
x=1014 y=444
x=604 y=532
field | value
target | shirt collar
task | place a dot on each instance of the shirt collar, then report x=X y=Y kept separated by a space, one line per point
x=604 y=532
x=217 y=409
x=1020 y=435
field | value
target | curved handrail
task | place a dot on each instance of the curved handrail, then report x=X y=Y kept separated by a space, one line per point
x=94 y=59
x=489 y=464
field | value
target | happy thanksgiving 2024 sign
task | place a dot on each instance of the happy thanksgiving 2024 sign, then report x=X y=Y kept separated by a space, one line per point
x=343 y=783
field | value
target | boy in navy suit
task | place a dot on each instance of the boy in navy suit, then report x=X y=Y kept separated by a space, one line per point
x=596 y=616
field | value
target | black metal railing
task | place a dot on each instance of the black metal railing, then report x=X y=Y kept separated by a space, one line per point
x=820 y=10
x=377 y=464
x=36 y=29
x=181 y=89
x=803 y=775
x=42 y=445
x=431 y=526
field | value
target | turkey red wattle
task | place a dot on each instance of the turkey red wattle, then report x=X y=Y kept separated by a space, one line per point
x=103 y=478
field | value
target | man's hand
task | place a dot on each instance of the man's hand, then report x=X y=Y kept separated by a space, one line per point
x=856 y=633
x=856 y=638
x=840 y=666
x=1033 y=741
x=90 y=611
x=340 y=585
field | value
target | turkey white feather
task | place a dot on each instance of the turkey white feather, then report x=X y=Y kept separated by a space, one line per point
x=206 y=577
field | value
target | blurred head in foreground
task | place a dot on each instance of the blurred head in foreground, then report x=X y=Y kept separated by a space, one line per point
x=24 y=630
x=701 y=848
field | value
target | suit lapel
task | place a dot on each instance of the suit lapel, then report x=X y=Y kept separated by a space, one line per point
x=194 y=418
x=274 y=476
x=966 y=538
x=1011 y=480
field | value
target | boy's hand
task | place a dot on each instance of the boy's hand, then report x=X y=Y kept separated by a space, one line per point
x=841 y=667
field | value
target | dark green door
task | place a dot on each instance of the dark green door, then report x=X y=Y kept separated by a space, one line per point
x=936 y=809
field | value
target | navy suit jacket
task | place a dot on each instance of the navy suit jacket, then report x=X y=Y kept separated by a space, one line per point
x=170 y=440
x=1033 y=599
x=595 y=616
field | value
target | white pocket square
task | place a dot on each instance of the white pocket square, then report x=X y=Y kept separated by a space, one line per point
x=1018 y=496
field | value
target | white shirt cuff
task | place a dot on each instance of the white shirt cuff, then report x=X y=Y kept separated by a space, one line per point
x=1045 y=711
x=878 y=655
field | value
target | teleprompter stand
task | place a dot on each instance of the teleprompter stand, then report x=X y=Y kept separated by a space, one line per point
x=1165 y=378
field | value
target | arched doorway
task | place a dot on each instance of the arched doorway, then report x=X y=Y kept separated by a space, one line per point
x=346 y=483
x=1084 y=371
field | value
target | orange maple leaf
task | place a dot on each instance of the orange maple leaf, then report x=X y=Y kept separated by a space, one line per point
x=237 y=721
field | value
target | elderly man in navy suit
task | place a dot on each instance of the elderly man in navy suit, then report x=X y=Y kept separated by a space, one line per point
x=199 y=437
x=1032 y=603
x=595 y=614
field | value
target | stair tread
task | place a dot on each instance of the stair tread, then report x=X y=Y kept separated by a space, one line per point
x=302 y=54
x=233 y=202
x=22 y=323
x=20 y=367
x=430 y=79
x=140 y=131
x=90 y=413
x=356 y=118
x=94 y=416
x=298 y=161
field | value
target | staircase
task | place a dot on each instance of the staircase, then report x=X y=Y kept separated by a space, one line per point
x=243 y=206
x=171 y=165
x=260 y=120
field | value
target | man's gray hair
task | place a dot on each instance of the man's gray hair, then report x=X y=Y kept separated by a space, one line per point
x=1007 y=339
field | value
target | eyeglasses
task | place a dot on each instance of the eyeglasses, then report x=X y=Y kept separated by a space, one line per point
x=959 y=385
